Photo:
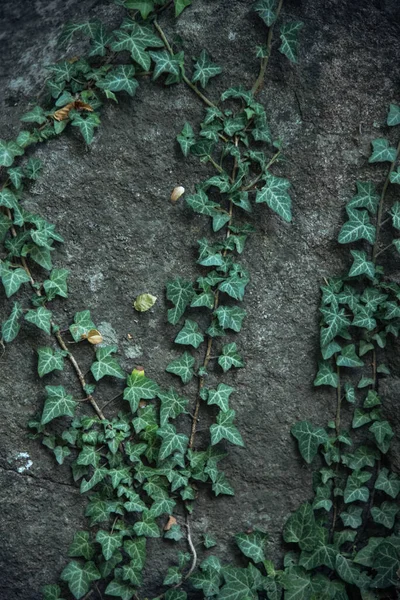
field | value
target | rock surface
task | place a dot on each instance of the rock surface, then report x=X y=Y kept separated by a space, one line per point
x=123 y=237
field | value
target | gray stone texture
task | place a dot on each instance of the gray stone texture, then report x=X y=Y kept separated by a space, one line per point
x=123 y=237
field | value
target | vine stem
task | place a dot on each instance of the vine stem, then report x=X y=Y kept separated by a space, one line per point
x=375 y=251
x=192 y=86
x=264 y=62
x=58 y=335
x=337 y=429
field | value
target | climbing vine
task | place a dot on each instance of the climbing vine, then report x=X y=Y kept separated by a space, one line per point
x=140 y=473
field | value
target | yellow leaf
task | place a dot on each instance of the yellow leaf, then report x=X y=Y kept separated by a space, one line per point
x=177 y=192
x=139 y=371
x=94 y=337
x=144 y=302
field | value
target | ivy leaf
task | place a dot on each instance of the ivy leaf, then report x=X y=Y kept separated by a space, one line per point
x=165 y=63
x=51 y=592
x=366 y=554
x=200 y=204
x=352 y=517
x=147 y=526
x=235 y=284
x=100 y=39
x=225 y=429
x=326 y=376
x=79 y=577
x=82 y=325
x=81 y=545
x=41 y=317
x=139 y=387
x=204 y=69
x=49 y=360
x=220 y=396
x=309 y=439
x=172 y=441
x=8 y=151
x=300 y=528
x=135 y=41
x=357 y=227
x=86 y=124
x=395 y=212
x=230 y=357
x=176 y=594
x=186 y=138
x=106 y=364
x=145 y=7
x=136 y=550
x=117 y=588
x=394 y=176
x=388 y=483
x=57 y=284
x=190 y=334
x=355 y=490
x=275 y=194
x=120 y=79
x=180 y=292
x=385 y=514
x=36 y=115
x=253 y=545
x=366 y=197
x=182 y=366
x=363 y=318
x=13 y=279
x=172 y=405
x=347 y=570
x=383 y=434
x=290 y=43
x=11 y=326
x=349 y=358
x=109 y=542
x=58 y=403
x=230 y=317
x=180 y=5
x=393 y=117
x=361 y=265
x=266 y=10
x=382 y=151
x=386 y=564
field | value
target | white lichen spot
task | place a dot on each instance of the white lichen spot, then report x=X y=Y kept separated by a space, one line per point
x=108 y=333
x=24 y=461
x=232 y=36
x=132 y=351
x=96 y=281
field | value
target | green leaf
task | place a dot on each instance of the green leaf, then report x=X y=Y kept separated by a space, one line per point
x=347 y=570
x=385 y=514
x=393 y=117
x=365 y=555
x=309 y=439
x=136 y=549
x=394 y=176
x=81 y=545
x=300 y=528
x=172 y=405
x=175 y=594
x=120 y=589
x=253 y=545
x=225 y=429
x=51 y=592
x=5 y=224
x=180 y=292
x=145 y=7
x=186 y=138
x=135 y=41
x=36 y=115
x=13 y=279
x=86 y=125
x=220 y=396
x=361 y=265
x=230 y=317
x=395 y=212
x=290 y=43
x=106 y=364
x=190 y=335
x=82 y=325
x=352 y=517
x=382 y=151
x=180 y=5
x=349 y=358
x=209 y=541
x=383 y=434
x=386 y=564
x=366 y=197
x=326 y=376
x=139 y=387
x=41 y=255
x=235 y=284
x=182 y=366
x=204 y=69
x=171 y=441
x=266 y=9
x=230 y=357
x=41 y=317
x=79 y=577
x=120 y=79
x=355 y=490
x=11 y=326
x=58 y=403
x=166 y=63
x=200 y=204
x=57 y=284
x=275 y=194
x=357 y=227
x=8 y=151
x=388 y=483
x=50 y=360
x=147 y=527
x=109 y=542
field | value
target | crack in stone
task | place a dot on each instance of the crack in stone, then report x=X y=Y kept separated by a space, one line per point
x=69 y=485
